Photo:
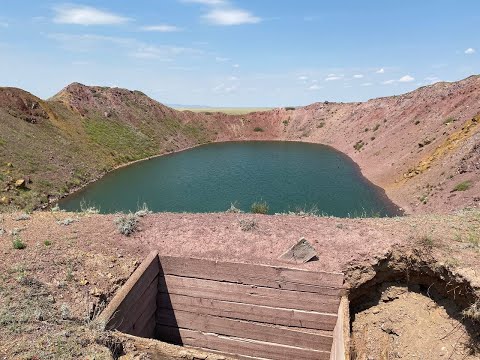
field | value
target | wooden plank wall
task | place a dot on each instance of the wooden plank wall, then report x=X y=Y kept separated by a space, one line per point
x=247 y=310
x=133 y=309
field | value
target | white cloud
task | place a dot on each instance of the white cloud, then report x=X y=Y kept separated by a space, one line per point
x=367 y=84
x=221 y=59
x=470 y=51
x=315 y=87
x=303 y=78
x=221 y=12
x=358 y=76
x=229 y=17
x=236 y=66
x=232 y=78
x=86 y=15
x=3 y=24
x=161 y=28
x=403 y=79
x=380 y=71
x=406 y=79
x=163 y=53
x=332 y=77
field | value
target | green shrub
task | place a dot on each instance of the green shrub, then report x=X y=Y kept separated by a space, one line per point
x=417 y=122
x=358 y=145
x=449 y=120
x=18 y=244
x=285 y=122
x=289 y=108
x=258 y=129
x=376 y=127
x=127 y=224
x=47 y=243
x=260 y=207
x=463 y=186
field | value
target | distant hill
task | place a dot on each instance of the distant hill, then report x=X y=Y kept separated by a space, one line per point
x=180 y=106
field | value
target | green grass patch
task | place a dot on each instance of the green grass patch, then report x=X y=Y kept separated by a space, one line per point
x=18 y=244
x=463 y=186
x=125 y=143
x=259 y=207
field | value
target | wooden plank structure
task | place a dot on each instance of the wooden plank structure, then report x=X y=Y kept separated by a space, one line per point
x=236 y=309
x=247 y=310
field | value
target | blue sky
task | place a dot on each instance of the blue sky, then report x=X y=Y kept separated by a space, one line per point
x=239 y=53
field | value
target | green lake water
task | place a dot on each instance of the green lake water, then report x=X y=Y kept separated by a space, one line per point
x=287 y=175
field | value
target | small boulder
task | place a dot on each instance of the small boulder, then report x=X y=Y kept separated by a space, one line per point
x=300 y=253
x=20 y=183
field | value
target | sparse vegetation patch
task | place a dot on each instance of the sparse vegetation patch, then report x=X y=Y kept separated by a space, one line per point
x=127 y=224
x=260 y=207
x=463 y=186
x=247 y=224
x=18 y=244
x=359 y=145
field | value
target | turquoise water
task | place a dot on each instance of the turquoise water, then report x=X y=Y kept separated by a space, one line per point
x=287 y=175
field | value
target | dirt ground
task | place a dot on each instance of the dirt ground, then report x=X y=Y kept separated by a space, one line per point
x=72 y=264
x=407 y=324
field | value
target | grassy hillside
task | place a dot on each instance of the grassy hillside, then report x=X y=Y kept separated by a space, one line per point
x=75 y=138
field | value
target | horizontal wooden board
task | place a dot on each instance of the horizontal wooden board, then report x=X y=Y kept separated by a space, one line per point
x=238 y=328
x=235 y=310
x=246 y=347
x=248 y=294
x=250 y=274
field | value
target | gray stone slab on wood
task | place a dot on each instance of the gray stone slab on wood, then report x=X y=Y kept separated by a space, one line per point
x=300 y=253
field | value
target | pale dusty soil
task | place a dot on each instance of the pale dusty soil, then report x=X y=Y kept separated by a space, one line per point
x=409 y=325
x=47 y=293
